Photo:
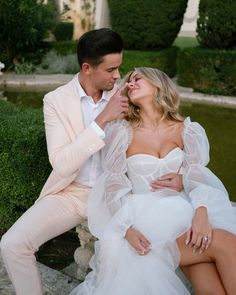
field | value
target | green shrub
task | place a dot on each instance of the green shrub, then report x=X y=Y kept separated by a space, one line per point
x=216 y=25
x=208 y=71
x=164 y=60
x=23 y=67
x=63 y=31
x=53 y=63
x=65 y=47
x=23 y=25
x=147 y=25
x=24 y=163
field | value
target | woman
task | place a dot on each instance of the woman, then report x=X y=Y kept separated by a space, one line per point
x=145 y=234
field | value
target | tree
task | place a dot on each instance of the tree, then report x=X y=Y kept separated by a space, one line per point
x=23 y=25
x=147 y=25
x=216 y=26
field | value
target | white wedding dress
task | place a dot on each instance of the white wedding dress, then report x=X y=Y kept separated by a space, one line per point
x=118 y=202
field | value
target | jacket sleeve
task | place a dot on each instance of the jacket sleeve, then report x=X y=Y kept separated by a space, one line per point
x=67 y=152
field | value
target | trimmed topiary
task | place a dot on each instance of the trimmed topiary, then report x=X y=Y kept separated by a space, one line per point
x=216 y=26
x=147 y=25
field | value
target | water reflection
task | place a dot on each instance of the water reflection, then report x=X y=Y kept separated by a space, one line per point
x=30 y=97
x=219 y=122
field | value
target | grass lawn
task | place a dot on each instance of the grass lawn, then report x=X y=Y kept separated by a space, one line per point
x=183 y=42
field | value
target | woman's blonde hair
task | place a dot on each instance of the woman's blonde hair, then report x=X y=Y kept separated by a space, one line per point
x=166 y=97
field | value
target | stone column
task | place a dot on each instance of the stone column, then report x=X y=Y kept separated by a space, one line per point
x=102 y=14
x=188 y=28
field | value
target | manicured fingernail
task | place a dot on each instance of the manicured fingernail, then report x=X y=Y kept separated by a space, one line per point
x=186 y=242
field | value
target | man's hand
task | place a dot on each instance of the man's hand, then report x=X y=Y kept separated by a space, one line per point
x=115 y=109
x=172 y=180
x=138 y=241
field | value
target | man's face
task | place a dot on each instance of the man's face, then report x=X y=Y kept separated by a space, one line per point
x=106 y=73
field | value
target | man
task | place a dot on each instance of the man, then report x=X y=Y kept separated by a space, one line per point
x=75 y=116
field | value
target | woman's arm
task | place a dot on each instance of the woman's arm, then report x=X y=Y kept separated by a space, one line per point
x=199 y=236
x=204 y=190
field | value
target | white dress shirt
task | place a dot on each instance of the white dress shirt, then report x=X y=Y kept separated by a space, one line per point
x=91 y=169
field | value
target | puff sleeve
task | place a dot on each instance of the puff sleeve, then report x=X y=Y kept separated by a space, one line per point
x=201 y=185
x=112 y=188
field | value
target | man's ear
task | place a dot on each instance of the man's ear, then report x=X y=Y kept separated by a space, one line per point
x=86 y=68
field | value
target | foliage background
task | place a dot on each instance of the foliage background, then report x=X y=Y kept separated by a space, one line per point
x=147 y=25
x=216 y=25
x=24 y=165
x=23 y=26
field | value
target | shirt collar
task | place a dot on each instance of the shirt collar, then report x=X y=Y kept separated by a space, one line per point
x=83 y=94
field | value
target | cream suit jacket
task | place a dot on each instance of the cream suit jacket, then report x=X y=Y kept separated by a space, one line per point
x=69 y=143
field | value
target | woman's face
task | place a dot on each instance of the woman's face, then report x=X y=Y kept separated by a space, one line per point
x=140 y=90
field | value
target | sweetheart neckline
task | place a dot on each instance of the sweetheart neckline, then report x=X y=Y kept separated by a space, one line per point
x=152 y=156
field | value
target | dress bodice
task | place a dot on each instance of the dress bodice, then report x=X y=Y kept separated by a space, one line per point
x=144 y=168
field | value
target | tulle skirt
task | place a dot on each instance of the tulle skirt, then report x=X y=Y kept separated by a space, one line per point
x=117 y=269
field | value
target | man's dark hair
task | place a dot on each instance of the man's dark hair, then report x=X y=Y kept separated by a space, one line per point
x=93 y=45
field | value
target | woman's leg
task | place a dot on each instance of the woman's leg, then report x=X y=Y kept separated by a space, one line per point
x=204 y=278
x=222 y=252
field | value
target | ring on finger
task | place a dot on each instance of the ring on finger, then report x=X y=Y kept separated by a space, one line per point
x=205 y=238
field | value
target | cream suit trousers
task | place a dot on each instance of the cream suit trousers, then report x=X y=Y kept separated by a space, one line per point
x=46 y=219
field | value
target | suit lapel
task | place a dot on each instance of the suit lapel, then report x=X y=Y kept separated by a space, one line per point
x=72 y=107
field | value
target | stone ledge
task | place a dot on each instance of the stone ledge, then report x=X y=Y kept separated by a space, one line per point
x=38 y=82
x=54 y=282
x=14 y=80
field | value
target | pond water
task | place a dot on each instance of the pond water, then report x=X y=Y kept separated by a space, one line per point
x=31 y=97
x=219 y=122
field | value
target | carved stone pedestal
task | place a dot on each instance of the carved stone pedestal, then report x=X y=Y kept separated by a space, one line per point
x=84 y=253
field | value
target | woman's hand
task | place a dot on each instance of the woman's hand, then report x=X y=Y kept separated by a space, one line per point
x=172 y=180
x=199 y=236
x=138 y=241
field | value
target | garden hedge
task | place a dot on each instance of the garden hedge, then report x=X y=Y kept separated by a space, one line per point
x=207 y=71
x=64 y=47
x=24 y=165
x=216 y=25
x=147 y=25
x=164 y=60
